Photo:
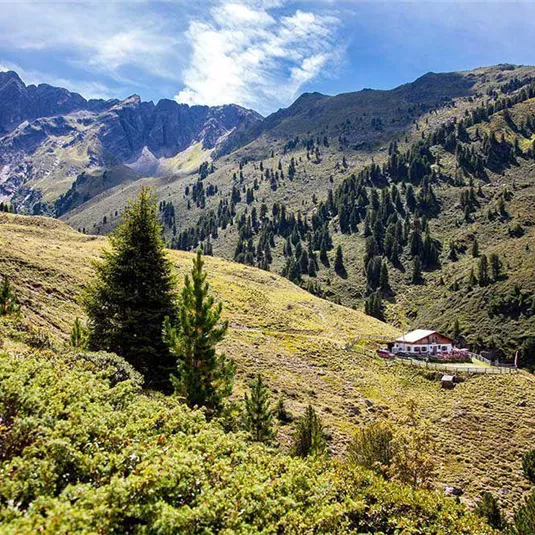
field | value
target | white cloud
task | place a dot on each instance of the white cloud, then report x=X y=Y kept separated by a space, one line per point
x=249 y=55
x=99 y=36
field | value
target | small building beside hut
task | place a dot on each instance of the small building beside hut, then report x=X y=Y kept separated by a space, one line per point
x=423 y=342
x=448 y=381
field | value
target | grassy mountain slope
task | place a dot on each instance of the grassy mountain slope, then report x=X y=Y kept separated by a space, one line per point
x=444 y=295
x=297 y=341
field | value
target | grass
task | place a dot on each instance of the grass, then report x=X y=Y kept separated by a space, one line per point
x=297 y=341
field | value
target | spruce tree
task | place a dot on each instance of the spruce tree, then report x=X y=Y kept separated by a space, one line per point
x=204 y=378
x=8 y=299
x=373 y=306
x=475 y=248
x=339 y=262
x=483 y=270
x=78 y=337
x=528 y=465
x=384 y=283
x=456 y=332
x=309 y=438
x=258 y=412
x=472 y=280
x=132 y=293
x=495 y=266
x=489 y=509
x=416 y=277
x=524 y=519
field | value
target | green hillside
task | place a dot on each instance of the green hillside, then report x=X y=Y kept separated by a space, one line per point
x=297 y=342
x=274 y=188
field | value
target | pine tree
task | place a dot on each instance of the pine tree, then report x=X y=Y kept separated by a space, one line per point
x=489 y=509
x=78 y=336
x=203 y=377
x=132 y=293
x=339 y=262
x=495 y=266
x=524 y=519
x=8 y=299
x=374 y=306
x=483 y=270
x=475 y=248
x=384 y=283
x=472 y=281
x=528 y=465
x=452 y=255
x=416 y=277
x=323 y=254
x=258 y=413
x=309 y=438
x=456 y=332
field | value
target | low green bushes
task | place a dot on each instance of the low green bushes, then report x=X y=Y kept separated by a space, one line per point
x=83 y=452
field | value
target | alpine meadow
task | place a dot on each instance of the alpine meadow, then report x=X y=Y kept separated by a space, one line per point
x=264 y=298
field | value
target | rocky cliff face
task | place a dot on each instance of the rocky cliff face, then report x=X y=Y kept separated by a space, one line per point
x=49 y=135
x=19 y=102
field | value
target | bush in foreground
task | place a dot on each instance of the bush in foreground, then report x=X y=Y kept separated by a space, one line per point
x=82 y=453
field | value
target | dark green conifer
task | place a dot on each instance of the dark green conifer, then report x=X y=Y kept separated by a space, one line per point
x=489 y=509
x=258 y=412
x=524 y=519
x=528 y=465
x=475 y=248
x=132 y=293
x=472 y=280
x=339 y=262
x=204 y=378
x=495 y=266
x=416 y=277
x=483 y=270
x=309 y=437
x=384 y=282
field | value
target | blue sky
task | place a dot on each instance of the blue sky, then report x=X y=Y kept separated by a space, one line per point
x=258 y=53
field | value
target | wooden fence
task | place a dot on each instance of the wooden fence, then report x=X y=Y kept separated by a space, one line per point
x=452 y=368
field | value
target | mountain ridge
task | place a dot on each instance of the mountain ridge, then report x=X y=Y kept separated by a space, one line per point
x=49 y=135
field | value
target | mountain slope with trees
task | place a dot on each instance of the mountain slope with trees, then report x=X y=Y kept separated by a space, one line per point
x=394 y=227
x=297 y=343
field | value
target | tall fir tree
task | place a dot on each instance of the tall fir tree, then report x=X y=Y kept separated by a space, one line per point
x=416 y=276
x=483 y=270
x=475 y=248
x=495 y=266
x=524 y=519
x=373 y=306
x=384 y=282
x=258 y=412
x=309 y=437
x=489 y=509
x=339 y=262
x=204 y=378
x=132 y=293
